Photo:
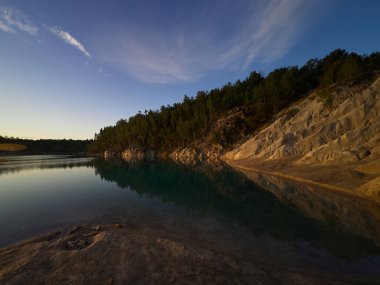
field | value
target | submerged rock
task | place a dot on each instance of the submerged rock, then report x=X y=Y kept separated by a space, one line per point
x=146 y=257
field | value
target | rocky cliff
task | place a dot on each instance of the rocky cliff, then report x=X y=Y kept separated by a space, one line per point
x=226 y=130
x=337 y=126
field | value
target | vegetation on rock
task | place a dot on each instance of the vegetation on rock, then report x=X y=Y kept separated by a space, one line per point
x=258 y=97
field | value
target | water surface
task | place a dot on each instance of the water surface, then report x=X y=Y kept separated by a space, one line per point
x=213 y=205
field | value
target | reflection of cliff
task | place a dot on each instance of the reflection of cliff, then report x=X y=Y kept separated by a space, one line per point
x=224 y=192
x=344 y=212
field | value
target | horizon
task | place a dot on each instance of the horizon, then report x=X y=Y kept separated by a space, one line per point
x=69 y=71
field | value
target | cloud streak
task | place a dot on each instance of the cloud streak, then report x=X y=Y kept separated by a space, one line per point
x=69 y=39
x=14 y=19
x=264 y=31
x=5 y=28
x=270 y=32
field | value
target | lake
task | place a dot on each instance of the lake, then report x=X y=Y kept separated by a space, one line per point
x=265 y=217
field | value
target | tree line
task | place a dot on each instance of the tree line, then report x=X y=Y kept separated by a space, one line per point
x=47 y=146
x=259 y=96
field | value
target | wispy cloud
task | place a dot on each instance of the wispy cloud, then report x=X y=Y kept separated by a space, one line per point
x=14 y=19
x=5 y=28
x=69 y=39
x=270 y=32
x=264 y=31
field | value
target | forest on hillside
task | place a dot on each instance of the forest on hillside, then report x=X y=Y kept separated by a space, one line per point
x=258 y=96
x=43 y=146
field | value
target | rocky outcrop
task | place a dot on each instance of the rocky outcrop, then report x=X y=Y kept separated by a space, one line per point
x=332 y=131
x=191 y=155
x=337 y=125
x=223 y=132
x=109 y=154
x=132 y=154
x=136 y=154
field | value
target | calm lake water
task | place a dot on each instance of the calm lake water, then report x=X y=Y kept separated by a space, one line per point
x=212 y=204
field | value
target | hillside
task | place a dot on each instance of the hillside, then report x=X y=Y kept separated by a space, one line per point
x=318 y=124
x=330 y=138
x=215 y=120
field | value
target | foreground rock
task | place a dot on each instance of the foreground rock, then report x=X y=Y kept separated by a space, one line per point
x=337 y=129
x=113 y=254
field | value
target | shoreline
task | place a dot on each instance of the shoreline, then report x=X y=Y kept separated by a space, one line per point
x=287 y=171
x=119 y=254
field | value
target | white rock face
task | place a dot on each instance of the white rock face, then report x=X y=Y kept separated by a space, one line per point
x=312 y=132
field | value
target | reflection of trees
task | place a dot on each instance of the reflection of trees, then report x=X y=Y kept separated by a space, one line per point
x=223 y=192
x=14 y=166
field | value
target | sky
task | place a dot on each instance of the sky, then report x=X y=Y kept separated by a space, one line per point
x=69 y=68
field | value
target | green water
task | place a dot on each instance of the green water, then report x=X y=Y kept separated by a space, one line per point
x=42 y=193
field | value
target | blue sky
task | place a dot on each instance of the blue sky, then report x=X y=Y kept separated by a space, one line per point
x=68 y=68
